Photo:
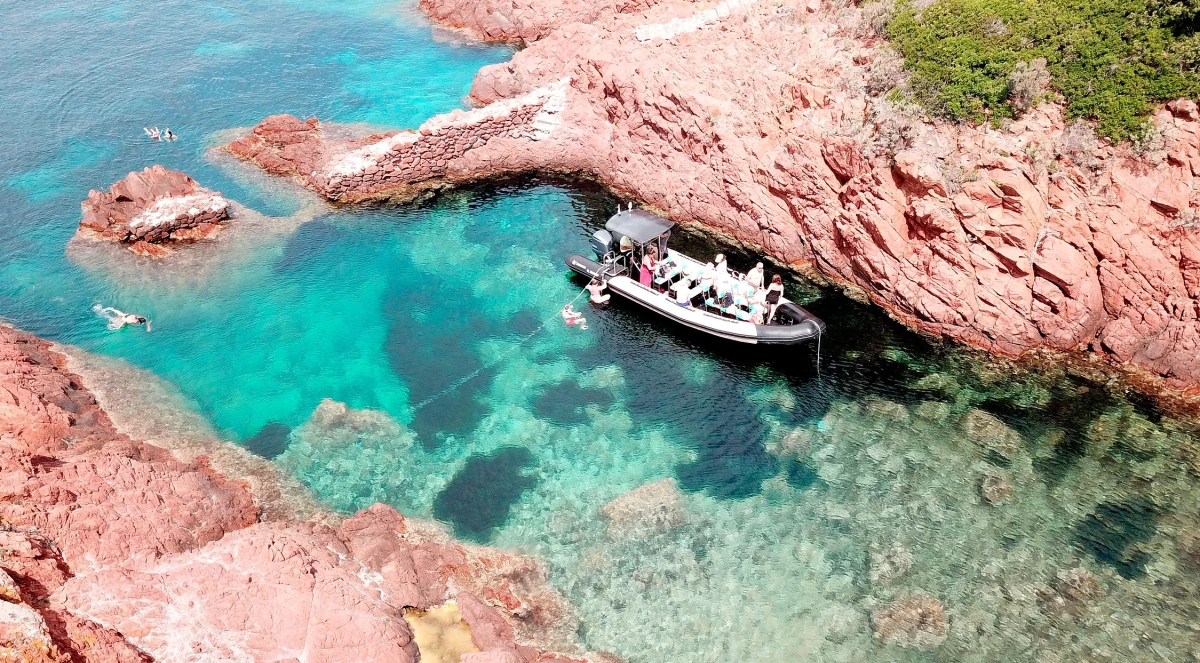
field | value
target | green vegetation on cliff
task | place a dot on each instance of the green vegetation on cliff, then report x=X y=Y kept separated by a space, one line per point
x=1110 y=60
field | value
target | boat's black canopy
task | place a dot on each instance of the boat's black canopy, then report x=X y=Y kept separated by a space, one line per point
x=638 y=225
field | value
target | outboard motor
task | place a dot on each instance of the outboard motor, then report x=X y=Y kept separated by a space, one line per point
x=601 y=242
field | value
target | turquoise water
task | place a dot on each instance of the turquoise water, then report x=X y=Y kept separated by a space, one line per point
x=425 y=323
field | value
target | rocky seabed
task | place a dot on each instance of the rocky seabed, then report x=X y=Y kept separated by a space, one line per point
x=113 y=549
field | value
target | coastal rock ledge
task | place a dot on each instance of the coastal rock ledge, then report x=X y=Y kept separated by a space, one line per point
x=112 y=550
x=153 y=208
x=767 y=122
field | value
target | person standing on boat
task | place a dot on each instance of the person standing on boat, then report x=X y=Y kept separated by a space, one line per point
x=596 y=288
x=774 y=292
x=755 y=276
x=646 y=273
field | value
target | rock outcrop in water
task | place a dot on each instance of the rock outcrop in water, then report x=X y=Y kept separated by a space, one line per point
x=918 y=621
x=117 y=551
x=153 y=208
x=398 y=165
x=764 y=122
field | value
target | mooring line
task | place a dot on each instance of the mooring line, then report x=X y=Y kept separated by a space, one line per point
x=475 y=373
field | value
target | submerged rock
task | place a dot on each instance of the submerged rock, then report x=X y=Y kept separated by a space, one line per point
x=103 y=530
x=1073 y=589
x=888 y=566
x=991 y=434
x=1189 y=550
x=154 y=207
x=996 y=487
x=797 y=444
x=918 y=621
x=654 y=507
x=1077 y=584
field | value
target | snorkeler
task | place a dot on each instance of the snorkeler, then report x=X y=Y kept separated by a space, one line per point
x=118 y=319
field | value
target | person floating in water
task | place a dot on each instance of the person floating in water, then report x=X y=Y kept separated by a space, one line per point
x=118 y=319
x=596 y=288
x=154 y=133
x=168 y=134
x=573 y=317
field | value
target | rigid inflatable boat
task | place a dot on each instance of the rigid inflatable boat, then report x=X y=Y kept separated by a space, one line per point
x=681 y=287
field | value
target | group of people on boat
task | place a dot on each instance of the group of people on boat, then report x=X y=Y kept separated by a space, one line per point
x=164 y=135
x=716 y=287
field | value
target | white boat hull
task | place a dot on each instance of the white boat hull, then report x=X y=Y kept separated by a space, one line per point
x=804 y=327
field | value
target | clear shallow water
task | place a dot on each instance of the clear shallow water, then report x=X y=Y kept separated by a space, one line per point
x=786 y=481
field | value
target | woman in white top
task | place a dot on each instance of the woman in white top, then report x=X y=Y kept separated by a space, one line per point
x=774 y=293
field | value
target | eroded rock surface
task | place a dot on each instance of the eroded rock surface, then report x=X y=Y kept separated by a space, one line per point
x=762 y=121
x=153 y=208
x=654 y=507
x=399 y=165
x=117 y=551
x=918 y=621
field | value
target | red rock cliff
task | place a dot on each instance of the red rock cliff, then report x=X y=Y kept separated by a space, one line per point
x=758 y=120
x=113 y=550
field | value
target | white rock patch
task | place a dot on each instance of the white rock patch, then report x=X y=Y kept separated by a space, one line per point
x=701 y=19
x=168 y=210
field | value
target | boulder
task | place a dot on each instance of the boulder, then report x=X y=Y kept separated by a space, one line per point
x=995 y=487
x=114 y=550
x=918 y=621
x=888 y=566
x=152 y=207
x=652 y=508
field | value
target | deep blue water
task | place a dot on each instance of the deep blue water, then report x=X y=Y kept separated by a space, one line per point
x=439 y=320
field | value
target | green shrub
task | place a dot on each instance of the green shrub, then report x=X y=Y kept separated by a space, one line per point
x=1110 y=60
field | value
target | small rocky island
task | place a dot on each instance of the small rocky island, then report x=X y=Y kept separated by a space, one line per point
x=148 y=211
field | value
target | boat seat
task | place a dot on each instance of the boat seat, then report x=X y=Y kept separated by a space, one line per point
x=675 y=271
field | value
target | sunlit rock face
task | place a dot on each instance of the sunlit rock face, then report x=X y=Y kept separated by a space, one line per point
x=1007 y=239
x=115 y=550
x=153 y=208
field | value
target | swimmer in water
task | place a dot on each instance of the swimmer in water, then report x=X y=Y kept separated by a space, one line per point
x=152 y=133
x=168 y=134
x=573 y=317
x=118 y=319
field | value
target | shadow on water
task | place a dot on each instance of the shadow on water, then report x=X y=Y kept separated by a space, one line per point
x=435 y=326
x=432 y=325
x=564 y=402
x=270 y=441
x=310 y=238
x=1112 y=532
x=477 y=500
